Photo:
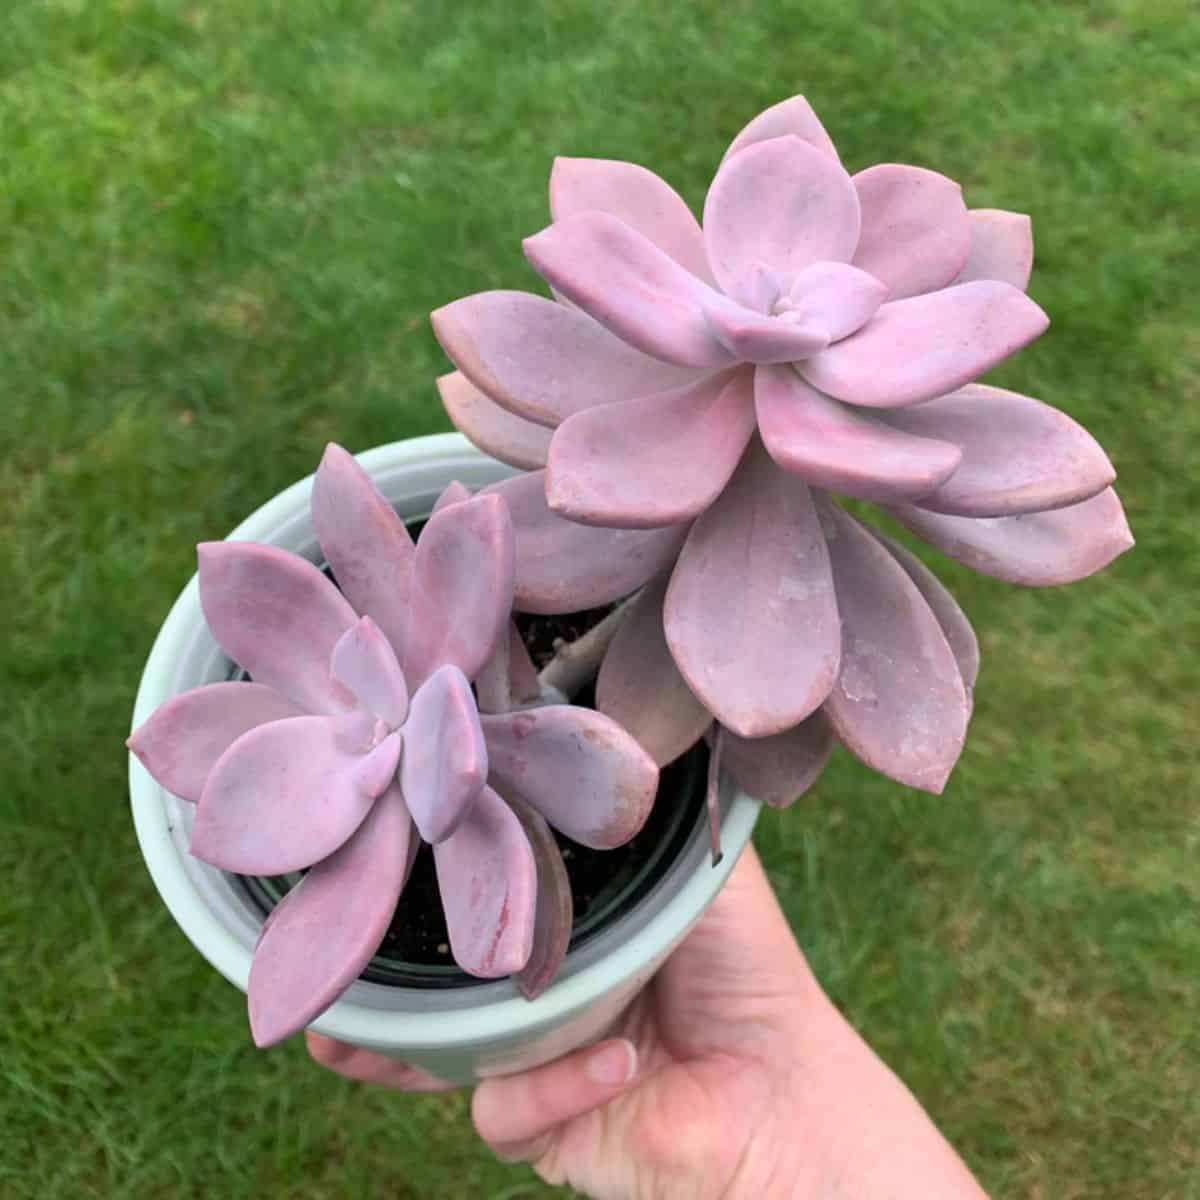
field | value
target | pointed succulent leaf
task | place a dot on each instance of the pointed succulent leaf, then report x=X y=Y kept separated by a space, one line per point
x=562 y=566
x=1018 y=454
x=835 y=296
x=325 y=930
x=453 y=493
x=640 y=687
x=634 y=195
x=445 y=762
x=899 y=703
x=1035 y=549
x=554 y=913
x=1001 y=247
x=508 y=679
x=915 y=231
x=777 y=770
x=545 y=361
x=365 y=664
x=180 y=742
x=462 y=588
x=928 y=345
x=583 y=772
x=750 y=614
x=630 y=286
x=284 y=796
x=793 y=116
x=783 y=203
x=278 y=617
x=487 y=877
x=952 y=619
x=654 y=461
x=831 y=446
x=751 y=337
x=495 y=430
x=364 y=541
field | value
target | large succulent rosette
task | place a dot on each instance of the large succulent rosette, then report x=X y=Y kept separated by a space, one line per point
x=359 y=735
x=695 y=393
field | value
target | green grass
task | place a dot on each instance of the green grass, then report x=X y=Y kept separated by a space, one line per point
x=222 y=223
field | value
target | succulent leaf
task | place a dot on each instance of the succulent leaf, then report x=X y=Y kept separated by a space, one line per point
x=364 y=663
x=838 y=297
x=453 y=493
x=777 y=770
x=792 y=116
x=1001 y=247
x=495 y=430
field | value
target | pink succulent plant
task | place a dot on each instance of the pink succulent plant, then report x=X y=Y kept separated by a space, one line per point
x=360 y=734
x=694 y=393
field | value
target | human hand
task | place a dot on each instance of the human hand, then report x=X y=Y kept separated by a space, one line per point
x=731 y=1075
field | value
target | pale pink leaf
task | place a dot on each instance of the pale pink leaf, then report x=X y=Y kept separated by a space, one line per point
x=834 y=297
x=453 y=493
x=495 y=430
x=364 y=662
x=752 y=337
x=777 y=770
x=793 y=116
x=1001 y=247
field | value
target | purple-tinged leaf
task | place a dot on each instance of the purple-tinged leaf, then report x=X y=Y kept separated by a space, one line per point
x=834 y=296
x=364 y=662
x=376 y=770
x=915 y=231
x=283 y=796
x=364 y=541
x=487 y=877
x=632 y=194
x=495 y=430
x=508 y=679
x=583 y=772
x=325 y=930
x=545 y=361
x=640 y=687
x=1035 y=549
x=554 y=912
x=562 y=566
x=783 y=203
x=927 y=346
x=180 y=742
x=752 y=337
x=777 y=770
x=952 y=619
x=793 y=116
x=831 y=446
x=445 y=763
x=278 y=617
x=631 y=287
x=750 y=614
x=654 y=461
x=453 y=493
x=462 y=588
x=899 y=703
x=1001 y=247
x=1018 y=454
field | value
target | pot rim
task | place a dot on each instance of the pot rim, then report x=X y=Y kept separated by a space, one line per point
x=501 y=1011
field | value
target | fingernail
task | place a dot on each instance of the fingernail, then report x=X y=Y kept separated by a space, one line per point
x=614 y=1063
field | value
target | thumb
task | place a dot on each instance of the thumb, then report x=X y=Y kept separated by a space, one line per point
x=517 y=1114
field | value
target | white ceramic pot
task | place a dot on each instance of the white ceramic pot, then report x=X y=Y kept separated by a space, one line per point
x=457 y=1034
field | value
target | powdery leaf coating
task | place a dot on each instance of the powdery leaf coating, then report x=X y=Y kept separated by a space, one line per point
x=180 y=742
x=545 y=361
x=445 y=761
x=364 y=663
x=495 y=430
x=836 y=296
x=1041 y=549
x=751 y=337
x=364 y=541
x=750 y=614
x=783 y=203
x=831 y=446
x=284 y=796
x=634 y=195
x=278 y=617
x=640 y=687
x=1018 y=454
x=325 y=930
x=1001 y=247
x=453 y=493
x=927 y=345
x=562 y=566
x=487 y=878
x=915 y=231
x=792 y=116
x=778 y=770
x=583 y=772
x=899 y=702
x=654 y=461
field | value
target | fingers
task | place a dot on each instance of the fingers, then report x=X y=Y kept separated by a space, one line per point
x=517 y=1114
x=367 y=1067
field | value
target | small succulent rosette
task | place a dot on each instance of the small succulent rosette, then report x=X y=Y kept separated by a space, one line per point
x=692 y=396
x=359 y=735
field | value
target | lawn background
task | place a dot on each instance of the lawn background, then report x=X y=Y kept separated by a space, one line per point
x=222 y=225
